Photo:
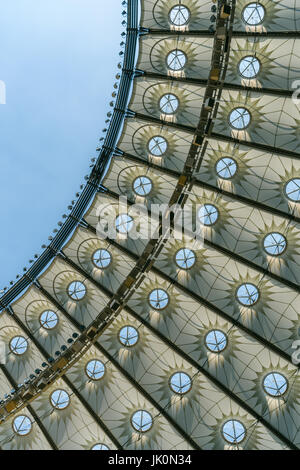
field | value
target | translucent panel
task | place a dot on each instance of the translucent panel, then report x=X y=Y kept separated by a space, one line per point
x=179 y=15
x=76 y=290
x=157 y=146
x=239 y=118
x=168 y=103
x=141 y=421
x=216 y=341
x=292 y=189
x=101 y=258
x=176 y=60
x=100 y=447
x=234 y=431
x=159 y=299
x=18 y=345
x=124 y=223
x=253 y=14
x=249 y=67
x=185 y=258
x=128 y=336
x=247 y=294
x=226 y=168
x=275 y=244
x=95 y=369
x=208 y=214
x=180 y=383
x=142 y=186
x=275 y=384
x=60 y=399
x=22 y=425
x=48 y=319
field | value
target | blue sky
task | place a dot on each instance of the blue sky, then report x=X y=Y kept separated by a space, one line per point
x=58 y=60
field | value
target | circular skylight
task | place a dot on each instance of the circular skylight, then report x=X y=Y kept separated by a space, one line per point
x=249 y=67
x=159 y=299
x=95 y=369
x=142 y=186
x=248 y=294
x=292 y=189
x=157 y=146
x=275 y=244
x=216 y=341
x=22 y=425
x=49 y=320
x=100 y=447
x=141 y=421
x=18 y=345
x=239 y=118
x=226 y=168
x=185 y=258
x=208 y=214
x=253 y=14
x=76 y=290
x=128 y=336
x=234 y=431
x=275 y=384
x=124 y=223
x=179 y=15
x=180 y=383
x=168 y=104
x=60 y=399
x=176 y=60
x=101 y=258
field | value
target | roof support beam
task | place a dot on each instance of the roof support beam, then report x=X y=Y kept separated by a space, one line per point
x=194 y=363
x=225 y=86
x=235 y=34
x=219 y=137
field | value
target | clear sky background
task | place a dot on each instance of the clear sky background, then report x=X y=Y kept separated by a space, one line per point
x=58 y=59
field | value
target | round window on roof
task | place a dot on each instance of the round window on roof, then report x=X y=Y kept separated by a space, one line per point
x=128 y=336
x=275 y=384
x=275 y=244
x=49 y=320
x=18 y=345
x=179 y=15
x=124 y=223
x=216 y=341
x=101 y=258
x=185 y=258
x=239 y=118
x=208 y=214
x=76 y=290
x=180 y=383
x=249 y=67
x=254 y=14
x=159 y=299
x=100 y=447
x=141 y=421
x=142 y=186
x=157 y=146
x=60 y=399
x=176 y=60
x=168 y=103
x=22 y=425
x=292 y=189
x=234 y=431
x=226 y=168
x=95 y=369
x=247 y=294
